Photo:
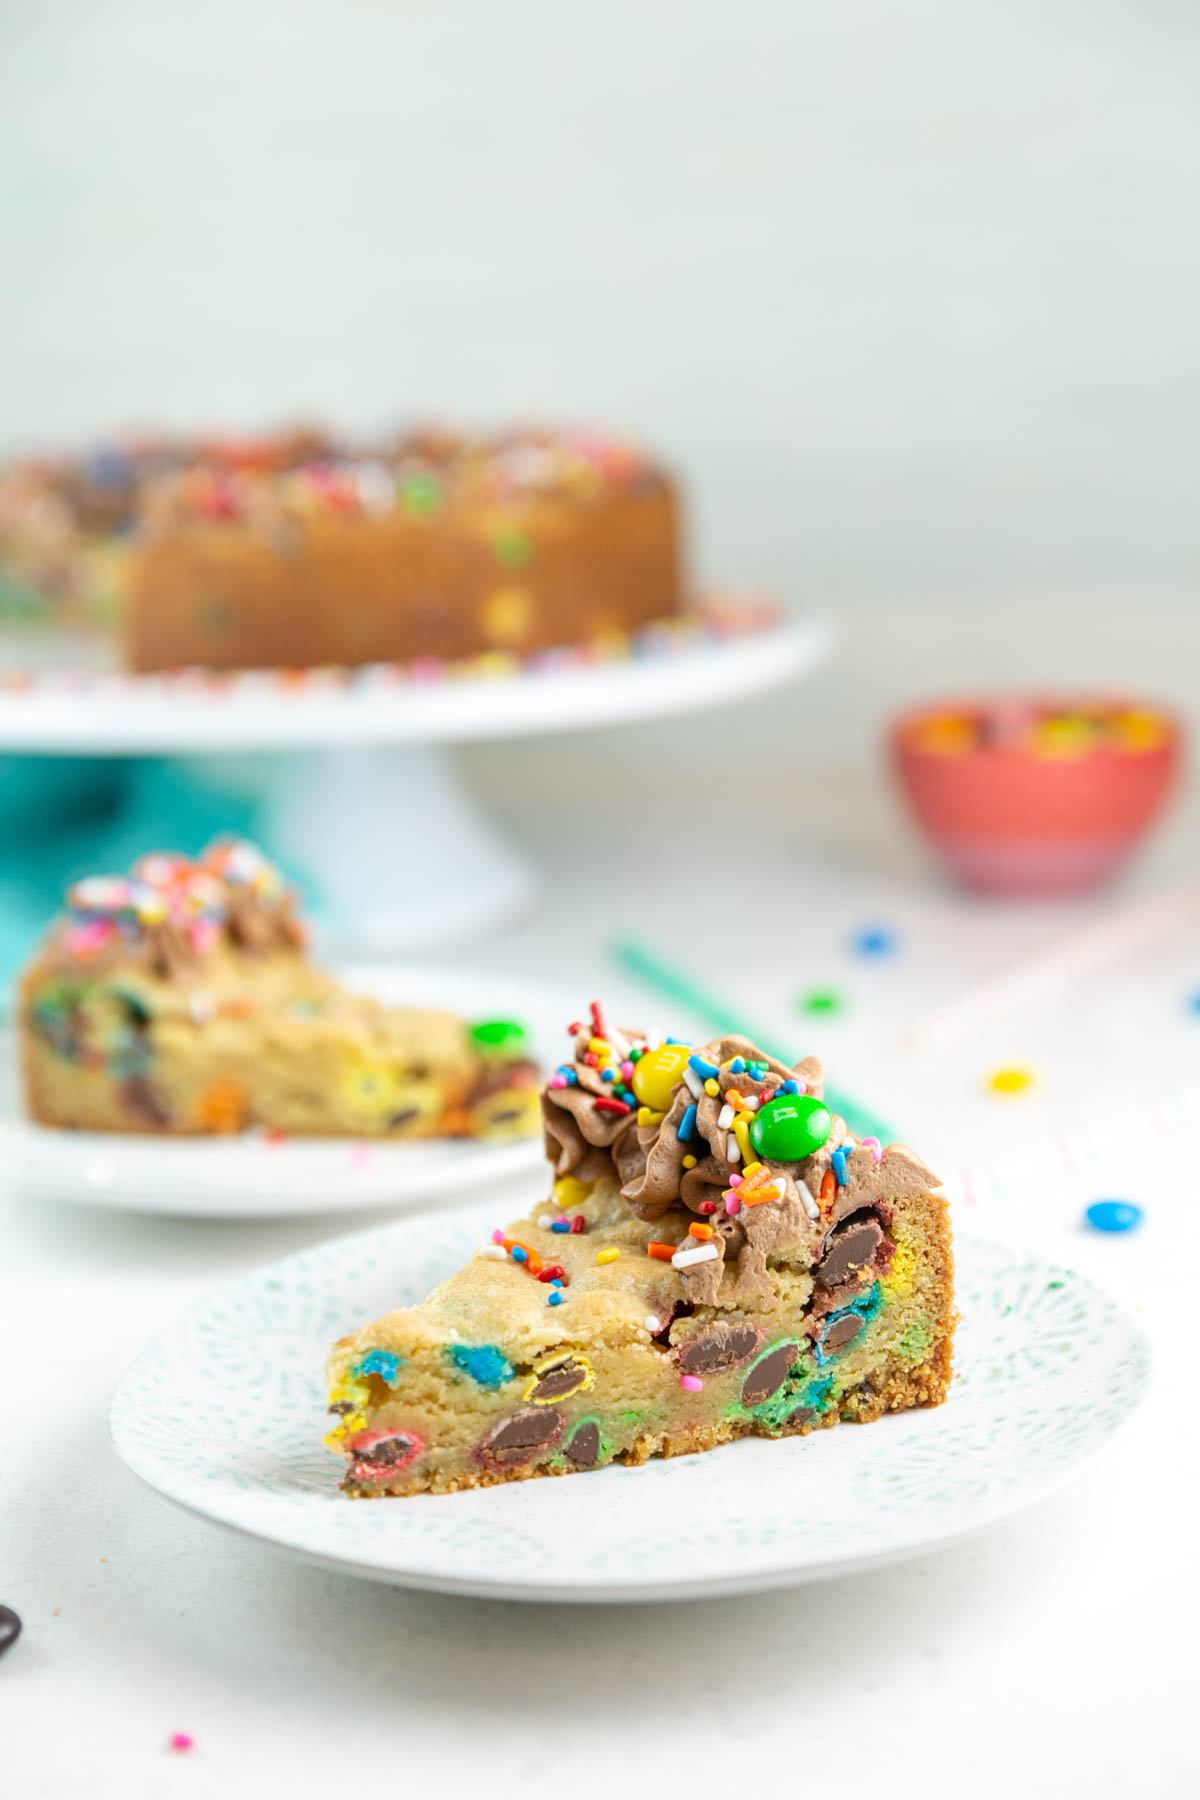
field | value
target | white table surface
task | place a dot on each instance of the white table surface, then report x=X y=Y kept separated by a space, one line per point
x=1052 y=1656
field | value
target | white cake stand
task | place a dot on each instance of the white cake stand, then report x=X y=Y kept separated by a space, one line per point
x=371 y=810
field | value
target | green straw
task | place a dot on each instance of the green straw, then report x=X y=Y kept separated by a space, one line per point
x=674 y=984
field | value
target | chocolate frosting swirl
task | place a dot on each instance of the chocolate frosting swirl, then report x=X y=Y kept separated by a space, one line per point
x=170 y=915
x=593 y=1127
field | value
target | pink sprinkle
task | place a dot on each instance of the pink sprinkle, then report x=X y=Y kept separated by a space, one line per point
x=691 y=1384
x=735 y=1180
x=626 y=1071
x=733 y=1205
x=557 y=1081
x=181 y=1740
x=801 y=1086
x=562 y=1219
x=497 y=1236
x=362 y=1156
x=874 y=1146
x=81 y=940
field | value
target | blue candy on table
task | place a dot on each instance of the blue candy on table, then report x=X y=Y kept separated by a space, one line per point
x=875 y=940
x=1113 y=1215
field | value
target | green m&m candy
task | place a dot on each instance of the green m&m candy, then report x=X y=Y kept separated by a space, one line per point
x=791 y=1127
x=499 y=1037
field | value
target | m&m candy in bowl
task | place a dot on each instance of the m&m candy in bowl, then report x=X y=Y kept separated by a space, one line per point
x=1037 y=795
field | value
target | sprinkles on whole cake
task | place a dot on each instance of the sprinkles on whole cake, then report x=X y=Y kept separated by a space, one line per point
x=721 y=1257
x=298 y=551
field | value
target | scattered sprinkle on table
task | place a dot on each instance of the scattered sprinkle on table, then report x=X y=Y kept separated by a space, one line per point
x=875 y=940
x=1011 y=1081
x=821 y=1000
x=1113 y=1215
x=181 y=1740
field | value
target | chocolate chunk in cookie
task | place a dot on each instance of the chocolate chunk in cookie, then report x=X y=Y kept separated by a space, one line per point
x=723 y=1346
x=583 y=1446
x=841 y=1331
x=556 y=1380
x=768 y=1374
x=521 y=1436
x=850 y=1248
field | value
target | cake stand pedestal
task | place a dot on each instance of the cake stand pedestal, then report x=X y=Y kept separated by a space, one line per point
x=368 y=810
x=399 y=855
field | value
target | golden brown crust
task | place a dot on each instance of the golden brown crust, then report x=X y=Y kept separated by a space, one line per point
x=900 y=1391
x=392 y=588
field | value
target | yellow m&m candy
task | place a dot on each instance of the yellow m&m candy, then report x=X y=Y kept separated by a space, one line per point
x=658 y=1073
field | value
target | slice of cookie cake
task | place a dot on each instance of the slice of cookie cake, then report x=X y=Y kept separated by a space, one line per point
x=181 y=1000
x=720 y=1258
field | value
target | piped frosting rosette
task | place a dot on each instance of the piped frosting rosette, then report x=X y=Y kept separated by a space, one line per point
x=258 y=906
x=737 y=1138
x=171 y=912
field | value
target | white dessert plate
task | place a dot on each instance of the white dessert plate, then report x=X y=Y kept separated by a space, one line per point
x=254 y=1176
x=224 y=1414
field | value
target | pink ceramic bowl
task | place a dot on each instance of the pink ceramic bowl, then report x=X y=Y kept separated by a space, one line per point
x=1036 y=795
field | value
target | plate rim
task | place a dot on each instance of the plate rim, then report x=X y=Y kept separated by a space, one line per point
x=919 y=1540
x=440 y=1177
x=109 y=716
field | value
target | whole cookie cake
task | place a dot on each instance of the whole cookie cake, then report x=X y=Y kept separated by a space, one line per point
x=721 y=1257
x=298 y=552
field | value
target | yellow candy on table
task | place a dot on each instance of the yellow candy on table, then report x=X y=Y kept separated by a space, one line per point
x=1011 y=1080
x=658 y=1073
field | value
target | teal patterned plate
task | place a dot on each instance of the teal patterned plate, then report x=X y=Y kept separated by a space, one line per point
x=224 y=1414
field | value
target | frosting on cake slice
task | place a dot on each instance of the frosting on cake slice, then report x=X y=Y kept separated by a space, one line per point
x=181 y=1000
x=720 y=1258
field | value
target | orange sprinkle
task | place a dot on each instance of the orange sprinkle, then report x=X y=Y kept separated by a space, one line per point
x=828 y=1185
x=735 y=1099
x=703 y=1232
x=756 y=1196
x=751 y=1184
x=534 y=1263
x=662 y=1252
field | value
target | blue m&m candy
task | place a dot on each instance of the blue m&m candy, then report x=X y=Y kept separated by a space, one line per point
x=1113 y=1215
